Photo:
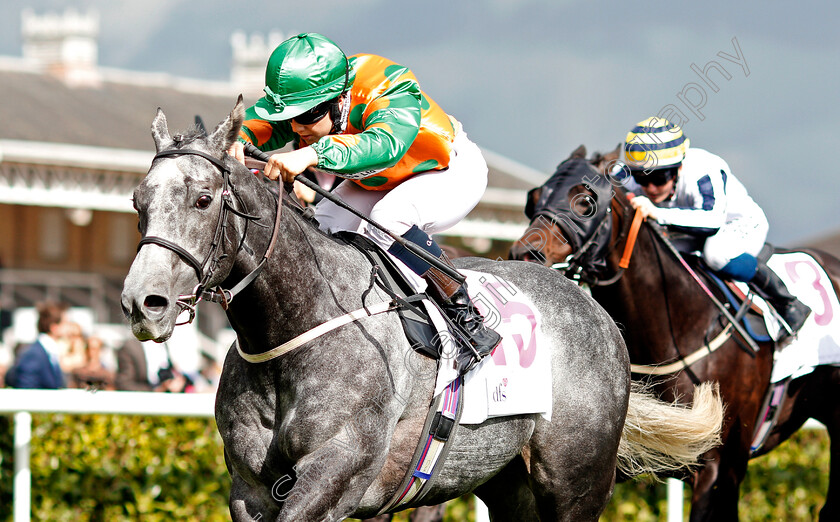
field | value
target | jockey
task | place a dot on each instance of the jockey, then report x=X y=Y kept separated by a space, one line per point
x=694 y=189
x=405 y=162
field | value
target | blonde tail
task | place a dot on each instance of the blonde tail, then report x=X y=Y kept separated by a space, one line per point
x=659 y=437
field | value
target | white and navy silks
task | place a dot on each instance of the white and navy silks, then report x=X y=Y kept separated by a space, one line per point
x=709 y=201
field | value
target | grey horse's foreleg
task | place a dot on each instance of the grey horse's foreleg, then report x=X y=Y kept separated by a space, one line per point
x=248 y=504
x=329 y=483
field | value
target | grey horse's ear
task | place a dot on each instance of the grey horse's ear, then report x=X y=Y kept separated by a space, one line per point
x=226 y=132
x=160 y=131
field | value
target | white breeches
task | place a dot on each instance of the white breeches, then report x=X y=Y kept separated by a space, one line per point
x=741 y=236
x=434 y=200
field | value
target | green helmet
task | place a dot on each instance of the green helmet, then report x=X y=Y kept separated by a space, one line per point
x=302 y=72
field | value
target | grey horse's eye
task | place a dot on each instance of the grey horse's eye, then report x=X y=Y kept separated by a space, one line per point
x=203 y=201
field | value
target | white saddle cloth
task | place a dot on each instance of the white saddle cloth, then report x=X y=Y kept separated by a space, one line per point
x=818 y=341
x=516 y=379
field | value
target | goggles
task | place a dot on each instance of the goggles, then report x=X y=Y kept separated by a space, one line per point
x=315 y=114
x=657 y=177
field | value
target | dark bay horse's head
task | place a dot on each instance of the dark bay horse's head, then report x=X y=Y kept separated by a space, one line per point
x=179 y=204
x=569 y=213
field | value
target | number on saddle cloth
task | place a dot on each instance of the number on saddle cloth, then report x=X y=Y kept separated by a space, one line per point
x=421 y=333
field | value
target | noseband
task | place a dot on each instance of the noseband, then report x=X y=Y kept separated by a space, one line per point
x=214 y=257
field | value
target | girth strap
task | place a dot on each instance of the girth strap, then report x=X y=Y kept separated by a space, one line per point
x=435 y=439
x=683 y=363
x=768 y=415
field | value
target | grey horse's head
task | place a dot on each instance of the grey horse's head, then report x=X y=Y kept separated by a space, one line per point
x=178 y=202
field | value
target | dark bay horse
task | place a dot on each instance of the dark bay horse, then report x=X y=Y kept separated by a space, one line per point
x=665 y=316
x=327 y=431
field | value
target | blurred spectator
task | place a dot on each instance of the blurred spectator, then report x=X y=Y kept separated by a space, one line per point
x=74 y=356
x=92 y=374
x=38 y=365
x=5 y=314
x=16 y=351
x=147 y=367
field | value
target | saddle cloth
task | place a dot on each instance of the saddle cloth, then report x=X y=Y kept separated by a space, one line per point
x=818 y=341
x=516 y=378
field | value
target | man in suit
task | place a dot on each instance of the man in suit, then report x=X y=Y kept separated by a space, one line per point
x=37 y=366
x=146 y=367
x=132 y=369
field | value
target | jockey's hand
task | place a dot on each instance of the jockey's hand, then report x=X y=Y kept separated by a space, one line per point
x=304 y=193
x=645 y=206
x=287 y=165
x=237 y=150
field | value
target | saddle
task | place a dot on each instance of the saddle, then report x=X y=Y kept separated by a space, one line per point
x=749 y=315
x=418 y=326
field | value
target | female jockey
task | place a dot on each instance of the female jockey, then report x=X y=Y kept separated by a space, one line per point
x=406 y=164
x=695 y=190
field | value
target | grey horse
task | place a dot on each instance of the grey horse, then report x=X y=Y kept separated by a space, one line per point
x=327 y=431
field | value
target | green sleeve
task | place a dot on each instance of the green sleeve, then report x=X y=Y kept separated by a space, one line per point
x=375 y=148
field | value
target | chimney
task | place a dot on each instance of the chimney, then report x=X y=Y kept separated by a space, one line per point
x=64 y=45
x=250 y=56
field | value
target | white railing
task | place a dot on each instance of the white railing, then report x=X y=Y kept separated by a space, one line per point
x=22 y=403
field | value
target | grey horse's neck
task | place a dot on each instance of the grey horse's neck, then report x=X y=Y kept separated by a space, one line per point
x=310 y=278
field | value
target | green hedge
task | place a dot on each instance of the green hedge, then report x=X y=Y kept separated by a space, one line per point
x=115 y=468
x=108 y=467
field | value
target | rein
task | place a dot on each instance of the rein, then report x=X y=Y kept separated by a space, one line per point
x=218 y=294
x=720 y=306
x=326 y=194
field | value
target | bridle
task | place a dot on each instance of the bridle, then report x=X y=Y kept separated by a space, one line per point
x=575 y=265
x=214 y=257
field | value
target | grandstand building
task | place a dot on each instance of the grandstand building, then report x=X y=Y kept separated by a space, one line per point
x=75 y=141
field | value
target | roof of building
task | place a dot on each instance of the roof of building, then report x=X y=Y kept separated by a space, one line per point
x=104 y=126
x=117 y=113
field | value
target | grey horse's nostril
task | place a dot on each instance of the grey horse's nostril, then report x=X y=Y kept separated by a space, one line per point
x=155 y=303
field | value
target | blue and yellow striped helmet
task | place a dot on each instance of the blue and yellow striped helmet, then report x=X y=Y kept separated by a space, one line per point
x=653 y=144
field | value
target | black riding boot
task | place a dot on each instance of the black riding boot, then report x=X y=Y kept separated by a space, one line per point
x=455 y=301
x=769 y=286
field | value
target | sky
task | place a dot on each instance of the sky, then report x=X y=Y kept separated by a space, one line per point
x=533 y=79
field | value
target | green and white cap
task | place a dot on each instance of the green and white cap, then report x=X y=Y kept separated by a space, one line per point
x=302 y=72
